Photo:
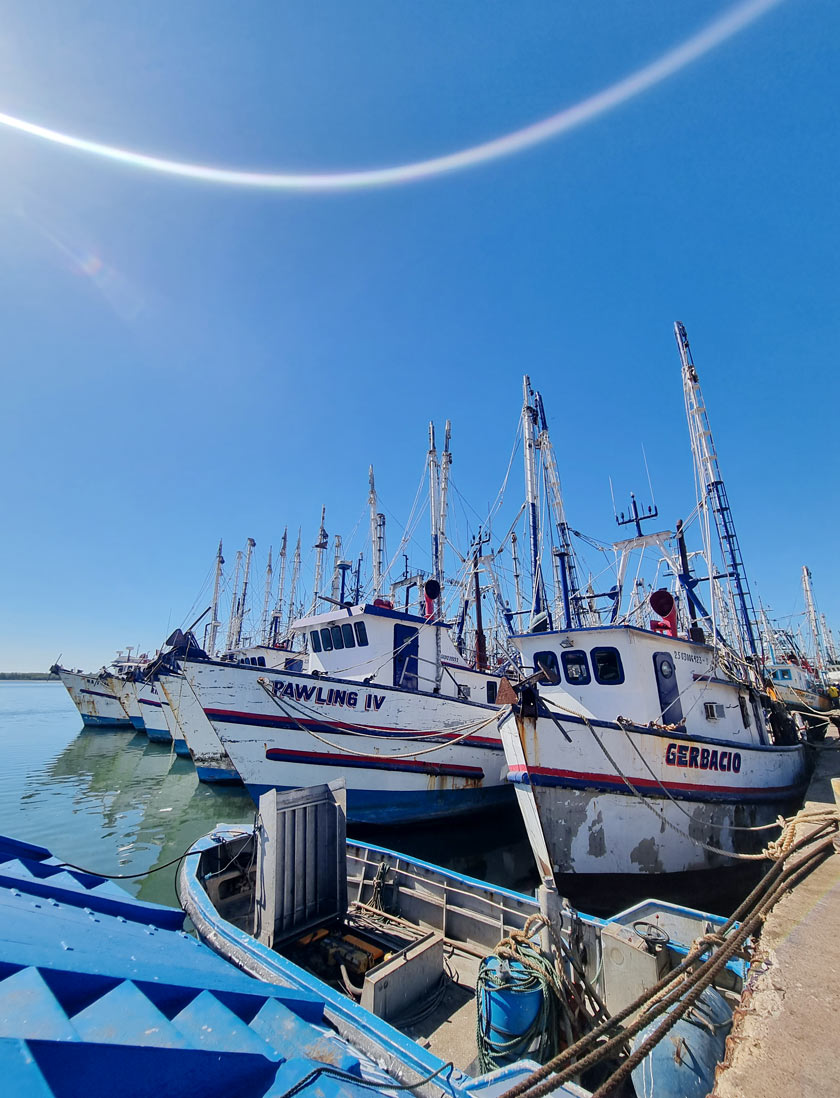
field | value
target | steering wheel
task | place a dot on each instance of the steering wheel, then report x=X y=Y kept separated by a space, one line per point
x=651 y=934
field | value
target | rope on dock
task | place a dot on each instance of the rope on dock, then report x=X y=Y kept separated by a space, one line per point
x=682 y=986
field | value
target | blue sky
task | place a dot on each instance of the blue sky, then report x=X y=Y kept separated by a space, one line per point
x=186 y=361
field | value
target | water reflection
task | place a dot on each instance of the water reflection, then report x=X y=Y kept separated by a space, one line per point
x=114 y=803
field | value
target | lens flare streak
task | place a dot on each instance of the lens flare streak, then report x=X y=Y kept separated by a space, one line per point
x=665 y=66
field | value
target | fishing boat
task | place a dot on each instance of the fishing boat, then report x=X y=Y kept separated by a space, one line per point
x=95 y=696
x=645 y=748
x=798 y=687
x=386 y=698
x=424 y=962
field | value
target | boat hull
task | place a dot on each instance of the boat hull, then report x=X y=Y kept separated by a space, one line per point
x=97 y=703
x=392 y=746
x=212 y=763
x=652 y=802
x=151 y=707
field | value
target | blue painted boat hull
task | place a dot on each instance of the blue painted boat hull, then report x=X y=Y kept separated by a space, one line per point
x=215 y=776
x=104 y=722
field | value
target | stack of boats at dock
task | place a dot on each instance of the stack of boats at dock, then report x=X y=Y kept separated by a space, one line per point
x=638 y=730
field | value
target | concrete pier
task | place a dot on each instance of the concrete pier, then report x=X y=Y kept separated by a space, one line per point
x=785 y=1038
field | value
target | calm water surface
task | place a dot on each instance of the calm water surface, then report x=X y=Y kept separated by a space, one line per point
x=112 y=802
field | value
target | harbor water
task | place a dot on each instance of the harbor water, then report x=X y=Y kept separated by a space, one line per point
x=110 y=801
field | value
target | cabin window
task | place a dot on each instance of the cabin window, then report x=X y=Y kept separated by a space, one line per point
x=361 y=633
x=463 y=691
x=326 y=640
x=606 y=666
x=547 y=663
x=492 y=690
x=786 y=674
x=260 y=661
x=406 y=656
x=337 y=638
x=347 y=633
x=316 y=641
x=293 y=665
x=576 y=668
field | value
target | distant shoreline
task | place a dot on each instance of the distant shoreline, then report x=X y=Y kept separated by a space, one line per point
x=28 y=676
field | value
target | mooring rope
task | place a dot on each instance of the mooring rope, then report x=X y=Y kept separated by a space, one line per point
x=721 y=946
x=355 y=732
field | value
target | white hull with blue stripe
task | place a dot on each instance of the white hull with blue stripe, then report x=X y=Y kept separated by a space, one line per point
x=151 y=706
x=95 y=698
x=385 y=701
x=641 y=755
x=209 y=756
x=405 y=756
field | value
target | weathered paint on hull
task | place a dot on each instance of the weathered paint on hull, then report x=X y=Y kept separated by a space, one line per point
x=177 y=736
x=654 y=805
x=128 y=699
x=217 y=775
x=203 y=745
x=153 y=719
x=595 y=833
x=95 y=700
x=389 y=744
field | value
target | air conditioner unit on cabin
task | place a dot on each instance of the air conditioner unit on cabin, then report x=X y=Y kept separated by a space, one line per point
x=714 y=711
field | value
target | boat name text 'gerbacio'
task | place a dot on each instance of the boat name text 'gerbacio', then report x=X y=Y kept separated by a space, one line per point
x=702 y=758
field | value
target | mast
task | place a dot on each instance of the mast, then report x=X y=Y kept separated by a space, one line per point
x=294 y=583
x=240 y=611
x=277 y=612
x=321 y=545
x=336 y=589
x=445 y=463
x=480 y=639
x=565 y=563
x=214 y=623
x=434 y=502
x=264 y=619
x=811 y=610
x=234 y=602
x=514 y=552
x=712 y=494
x=828 y=638
x=769 y=636
x=377 y=537
x=529 y=416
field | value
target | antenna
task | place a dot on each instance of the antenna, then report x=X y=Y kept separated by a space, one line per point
x=635 y=516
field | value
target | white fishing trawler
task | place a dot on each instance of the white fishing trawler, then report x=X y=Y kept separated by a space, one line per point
x=380 y=694
x=646 y=749
x=387 y=700
x=94 y=696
